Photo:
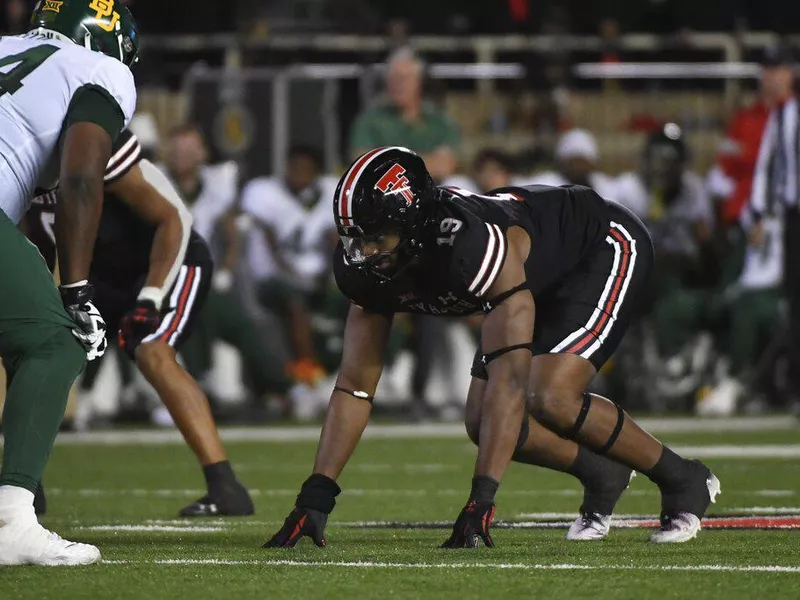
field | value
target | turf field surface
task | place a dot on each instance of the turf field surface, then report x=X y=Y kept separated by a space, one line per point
x=122 y=491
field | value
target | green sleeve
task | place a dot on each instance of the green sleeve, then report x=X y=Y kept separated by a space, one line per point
x=361 y=136
x=93 y=104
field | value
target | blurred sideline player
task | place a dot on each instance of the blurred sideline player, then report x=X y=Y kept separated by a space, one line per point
x=576 y=163
x=152 y=274
x=280 y=207
x=209 y=192
x=673 y=202
x=66 y=93
x=409 y=246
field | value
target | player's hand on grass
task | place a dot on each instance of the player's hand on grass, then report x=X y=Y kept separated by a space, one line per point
x=301 y=522
x=472 y=526
x=90 y=328
x=136 y=325
x=314 y=503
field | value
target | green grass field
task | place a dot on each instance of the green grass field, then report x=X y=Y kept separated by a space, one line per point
x=125 y=498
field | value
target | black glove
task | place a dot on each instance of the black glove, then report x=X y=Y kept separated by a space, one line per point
x=300 y=522
x=90 y=328
x=136 y=325
x=472 y=526
x=314 y=503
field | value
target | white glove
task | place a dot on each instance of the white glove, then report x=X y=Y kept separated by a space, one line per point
x=90 y=328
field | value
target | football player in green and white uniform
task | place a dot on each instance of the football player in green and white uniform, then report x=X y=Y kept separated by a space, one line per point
x=66 y=93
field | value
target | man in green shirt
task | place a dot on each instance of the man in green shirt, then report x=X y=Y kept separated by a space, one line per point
x=405 y=119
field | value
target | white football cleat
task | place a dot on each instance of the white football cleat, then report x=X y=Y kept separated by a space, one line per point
x=683 y=526
x=23 y=541
x=677 y=528
x=589 y=527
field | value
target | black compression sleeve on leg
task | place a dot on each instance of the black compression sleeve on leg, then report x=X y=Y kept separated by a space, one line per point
x=587 y=403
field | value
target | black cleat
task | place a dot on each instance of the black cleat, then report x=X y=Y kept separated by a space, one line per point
x=683 y=507
x=600 y=496
x=602 y=493
x=232 y=500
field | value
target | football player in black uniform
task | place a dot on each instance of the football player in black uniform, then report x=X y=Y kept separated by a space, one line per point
x=151 y=274
x=564 y=255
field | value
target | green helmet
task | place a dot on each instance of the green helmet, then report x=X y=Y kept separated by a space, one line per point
x=105 y=26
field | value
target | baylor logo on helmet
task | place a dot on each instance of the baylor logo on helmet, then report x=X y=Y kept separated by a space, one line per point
x=105 y=9
x=394 y=180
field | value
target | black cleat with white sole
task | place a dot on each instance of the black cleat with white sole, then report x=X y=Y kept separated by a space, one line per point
x=599 y=499
x=230 y=500
x=682 y=508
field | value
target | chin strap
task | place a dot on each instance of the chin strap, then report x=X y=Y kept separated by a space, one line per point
x=355 y=393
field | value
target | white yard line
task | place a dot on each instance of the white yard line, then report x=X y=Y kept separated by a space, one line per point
x=417 y=431
x=471 y=565
x=405 y=493
x=155 y=528
x=745 y=451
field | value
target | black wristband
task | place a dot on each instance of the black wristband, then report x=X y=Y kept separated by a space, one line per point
x=71 y=296
x=483 y=488
x=318 y=493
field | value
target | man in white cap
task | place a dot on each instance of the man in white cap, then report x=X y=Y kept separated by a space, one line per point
x=576 y=163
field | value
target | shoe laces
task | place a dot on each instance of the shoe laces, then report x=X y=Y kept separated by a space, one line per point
x=671 y=520
x=591 y=519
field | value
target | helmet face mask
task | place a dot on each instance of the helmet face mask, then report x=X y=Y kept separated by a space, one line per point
x=104 y=26
x=381 y=207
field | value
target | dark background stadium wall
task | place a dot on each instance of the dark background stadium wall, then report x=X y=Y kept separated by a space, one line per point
x=483 y=16
x=238 y=126
x=240 y=123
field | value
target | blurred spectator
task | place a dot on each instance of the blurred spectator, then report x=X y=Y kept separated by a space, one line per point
x=673 y=203
x=210 y=193
x=16 y=16
x=405 y=119
x=144 y=127
x=755 y=268
x=285 y=273
x=774 y=210
x=576 y=163
x=492 y=169
x=732 y=177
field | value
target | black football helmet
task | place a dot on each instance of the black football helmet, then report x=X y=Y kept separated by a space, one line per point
x=384 y=191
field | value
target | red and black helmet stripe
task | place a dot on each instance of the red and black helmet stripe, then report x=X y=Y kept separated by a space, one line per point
x=344 y=201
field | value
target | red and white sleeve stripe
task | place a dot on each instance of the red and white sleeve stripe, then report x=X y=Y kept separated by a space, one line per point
x=127 y=155
x=492 y=262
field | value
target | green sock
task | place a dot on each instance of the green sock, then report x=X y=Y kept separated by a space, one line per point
x=35 y=402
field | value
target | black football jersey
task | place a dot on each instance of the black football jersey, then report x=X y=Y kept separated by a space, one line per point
x=467 y=247
x=122 y=248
